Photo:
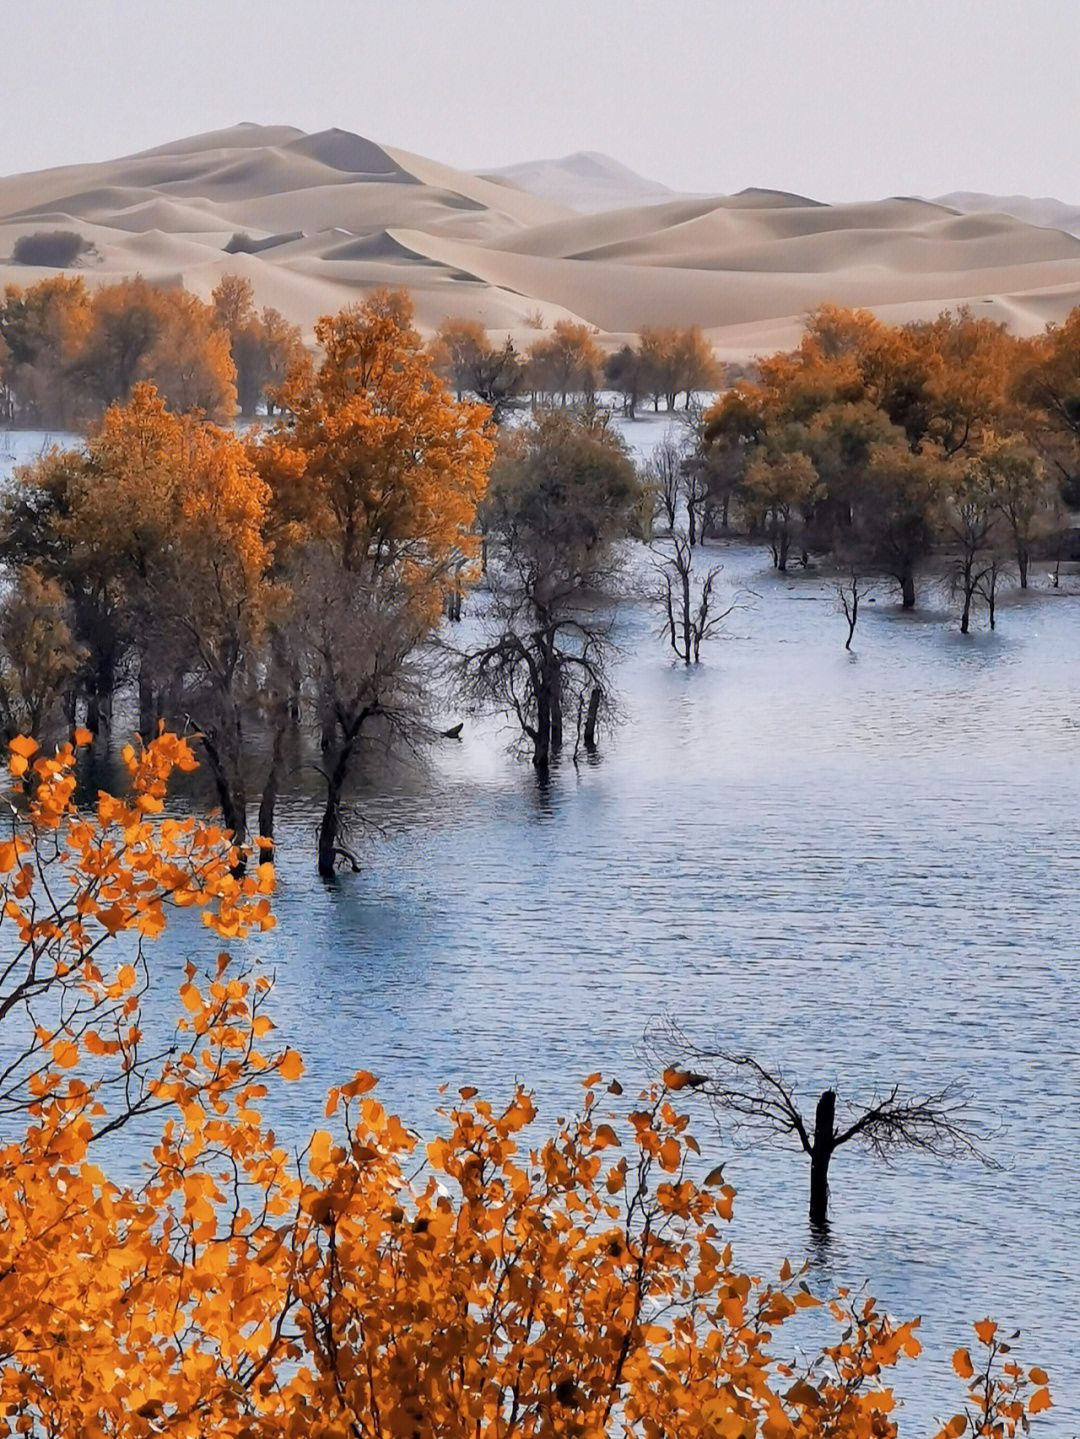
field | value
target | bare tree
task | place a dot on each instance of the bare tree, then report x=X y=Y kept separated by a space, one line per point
x=690 y=616
x=849 y=592
x=760 y=1106
x=663 y=473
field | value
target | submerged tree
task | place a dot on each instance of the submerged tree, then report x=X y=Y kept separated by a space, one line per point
x=377 y=475
x=690 y=614
x=563 y=493
x=761 y=1106
x=850 y=591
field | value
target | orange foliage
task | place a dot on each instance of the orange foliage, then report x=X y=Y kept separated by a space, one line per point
x=68 y=354
x=393 y=468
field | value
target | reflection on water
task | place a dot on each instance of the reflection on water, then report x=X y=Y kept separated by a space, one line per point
x=863 y=869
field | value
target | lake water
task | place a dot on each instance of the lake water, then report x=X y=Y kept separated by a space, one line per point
x=861 y=868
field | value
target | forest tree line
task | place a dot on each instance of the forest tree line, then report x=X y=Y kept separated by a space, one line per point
x=67 y=353
x=299 y=573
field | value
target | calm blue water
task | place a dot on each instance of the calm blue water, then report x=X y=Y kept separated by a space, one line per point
x=863 y=869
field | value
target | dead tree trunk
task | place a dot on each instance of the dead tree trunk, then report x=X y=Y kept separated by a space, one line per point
x=820 y=1154
x=907 y=589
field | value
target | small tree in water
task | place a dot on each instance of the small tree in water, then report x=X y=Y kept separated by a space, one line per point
x=761 y=1104
x=850 y=592
x=690 y=614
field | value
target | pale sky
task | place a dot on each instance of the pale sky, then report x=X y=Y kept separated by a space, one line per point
x=836 y=99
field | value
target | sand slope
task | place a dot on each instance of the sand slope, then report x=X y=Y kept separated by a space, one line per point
x=583 y=238
x=1051 y=213
x=587 y=181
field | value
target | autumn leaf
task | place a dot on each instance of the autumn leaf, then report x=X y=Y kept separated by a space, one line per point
x=290 y=1066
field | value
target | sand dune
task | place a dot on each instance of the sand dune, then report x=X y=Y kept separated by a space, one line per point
x=336 y=214
x=586 y=181
x=1051 y=213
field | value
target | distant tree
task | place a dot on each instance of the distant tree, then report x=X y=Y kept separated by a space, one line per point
x=51 y=249
x=664 y=477
x=675 y=362
x=40 y=330
x=850 y=591
x=139 y=332
x=761 y=1106
x=264 y=348
x=779 y=487
x=974 y=529
x=191 y=363
x=126 y=322
x=38 y=655
x=1015 y=482
x=901 y=510
x=625 y=373
x=566 y=362
x=696 y=364
x=658 y=352
x=283 y=353
x=458 y=351
x=462 y=353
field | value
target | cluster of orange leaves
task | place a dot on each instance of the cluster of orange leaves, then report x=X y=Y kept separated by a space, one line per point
x=483 y=1286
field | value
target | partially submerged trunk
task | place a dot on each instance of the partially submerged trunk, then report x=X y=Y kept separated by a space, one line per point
x=269 y=795
x=591 y=717
x=147 y=700
x=907 y=588
x=229 y=784
x=820 y=1155
x=329 y=847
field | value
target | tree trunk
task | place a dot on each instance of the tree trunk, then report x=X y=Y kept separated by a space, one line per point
x=821 y=1153
x=965 y=618
x=168 y=700
x=93 y=707
x=853 y=616
x=556 y=711
x=542 y=737
x=686 y=616
x=593 y=713
x=269 y=795
x=907 y=590
x=147 y=707
x=327 y=728
x=330 y=824
x=1022 y=565
x=231 y=797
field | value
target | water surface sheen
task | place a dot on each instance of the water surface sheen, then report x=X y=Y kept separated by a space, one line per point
x=861 y=868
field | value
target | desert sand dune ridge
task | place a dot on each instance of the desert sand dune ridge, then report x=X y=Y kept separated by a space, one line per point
x=582 y=238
